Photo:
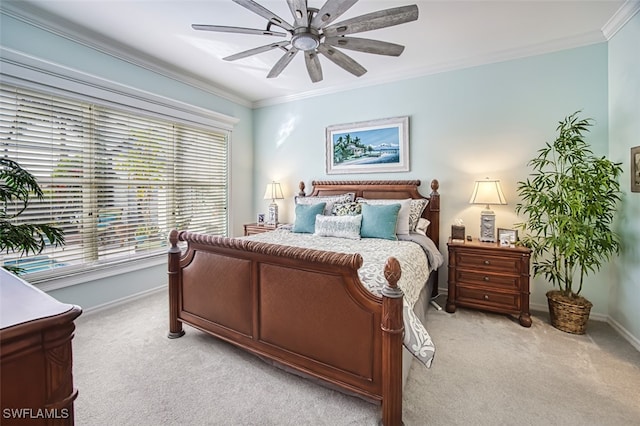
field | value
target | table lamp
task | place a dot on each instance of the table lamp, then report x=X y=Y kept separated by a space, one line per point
x=273 y=193
x=487 y=192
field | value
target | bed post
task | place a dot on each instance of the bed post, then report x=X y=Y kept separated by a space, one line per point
x=175 y=326
x=434 y=206
x=392 y=336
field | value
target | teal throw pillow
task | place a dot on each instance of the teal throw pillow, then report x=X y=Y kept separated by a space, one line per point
x=379 y=221
x=306 y=217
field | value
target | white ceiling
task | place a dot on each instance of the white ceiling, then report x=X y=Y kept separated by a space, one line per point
x=448 y=35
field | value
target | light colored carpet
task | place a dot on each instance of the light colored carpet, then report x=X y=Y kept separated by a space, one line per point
x=488 y=371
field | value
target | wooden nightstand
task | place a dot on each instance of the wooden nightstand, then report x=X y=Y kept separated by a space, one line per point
x=254 y=228
x=490 y=277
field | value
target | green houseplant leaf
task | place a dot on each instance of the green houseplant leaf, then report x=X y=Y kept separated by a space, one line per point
x=569 y=200
x=17 y=187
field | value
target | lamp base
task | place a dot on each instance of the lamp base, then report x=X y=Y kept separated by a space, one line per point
x=273 y=214
x=487 y=226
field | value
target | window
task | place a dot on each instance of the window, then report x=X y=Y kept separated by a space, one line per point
x=116 y=182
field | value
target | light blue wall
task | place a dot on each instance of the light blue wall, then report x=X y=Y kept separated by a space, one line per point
x=624 y=133
x=32 y=40
x=96 y=293
x=464 y=125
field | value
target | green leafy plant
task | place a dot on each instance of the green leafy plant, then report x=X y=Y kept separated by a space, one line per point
x=17 y=189
x=570 y=200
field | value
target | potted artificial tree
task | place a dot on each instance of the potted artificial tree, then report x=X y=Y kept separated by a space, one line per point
x=570 y=200
x=17 y=187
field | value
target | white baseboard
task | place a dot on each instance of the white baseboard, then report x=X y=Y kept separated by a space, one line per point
x=635 y=342
x=123 y=300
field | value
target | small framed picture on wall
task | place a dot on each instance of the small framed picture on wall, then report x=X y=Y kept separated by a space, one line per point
x=635 y=169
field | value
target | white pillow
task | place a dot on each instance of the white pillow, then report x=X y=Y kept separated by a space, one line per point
x=329 y=199
x=402 y=226
x=347 y=226
x=422 y=226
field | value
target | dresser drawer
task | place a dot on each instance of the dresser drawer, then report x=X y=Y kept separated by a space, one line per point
x=509 y=282
x=488 y=262
x=478 y=297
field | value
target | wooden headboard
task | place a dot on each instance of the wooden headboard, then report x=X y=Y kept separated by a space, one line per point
x=385 y=189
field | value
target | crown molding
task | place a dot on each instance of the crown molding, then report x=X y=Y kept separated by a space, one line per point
x=620 y=18
x=72 y=32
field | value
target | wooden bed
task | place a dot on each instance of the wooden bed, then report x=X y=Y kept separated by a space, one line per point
x=301 y=308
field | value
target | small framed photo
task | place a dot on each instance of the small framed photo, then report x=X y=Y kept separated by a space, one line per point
x=507 y=236
x=260 y=219
x=635 y=169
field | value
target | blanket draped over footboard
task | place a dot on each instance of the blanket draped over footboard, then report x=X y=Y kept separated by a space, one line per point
x=416 y=262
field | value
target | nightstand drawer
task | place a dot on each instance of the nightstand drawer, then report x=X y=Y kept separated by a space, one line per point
x=488 y=262
x=488 y=280
x=487 y=298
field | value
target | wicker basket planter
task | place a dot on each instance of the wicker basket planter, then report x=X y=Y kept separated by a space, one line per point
x=568 y=314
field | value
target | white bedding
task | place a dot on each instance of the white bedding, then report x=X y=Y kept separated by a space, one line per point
x=417 y=259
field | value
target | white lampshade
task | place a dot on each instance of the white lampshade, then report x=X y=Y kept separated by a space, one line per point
x=273 y=191
x=487 y=192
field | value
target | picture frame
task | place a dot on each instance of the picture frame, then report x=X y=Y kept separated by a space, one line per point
x=635 y=169
x=376 y=146
x=260 y=219
x=507 y=236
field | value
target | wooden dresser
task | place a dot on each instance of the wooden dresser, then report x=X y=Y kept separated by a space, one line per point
x=490 y=277
x=35 y=355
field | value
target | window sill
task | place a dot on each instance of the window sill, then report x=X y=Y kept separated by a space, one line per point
x=100 y=273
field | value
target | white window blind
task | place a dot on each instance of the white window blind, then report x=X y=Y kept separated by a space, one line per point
x=115 y=182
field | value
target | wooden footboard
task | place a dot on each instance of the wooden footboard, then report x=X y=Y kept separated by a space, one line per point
x=305 y=309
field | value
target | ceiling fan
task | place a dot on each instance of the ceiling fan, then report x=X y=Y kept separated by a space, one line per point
x=312 y=33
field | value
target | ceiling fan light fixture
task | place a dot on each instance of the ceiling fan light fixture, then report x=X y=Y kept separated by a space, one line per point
x=305 y=41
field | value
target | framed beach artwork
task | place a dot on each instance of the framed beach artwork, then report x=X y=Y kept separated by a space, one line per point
x=635 y=169
x=375 y=146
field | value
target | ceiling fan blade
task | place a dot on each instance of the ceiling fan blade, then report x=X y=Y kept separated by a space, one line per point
x=223 y=29
x=313 y=65
x=331 y=11
x=282 y=63
x=256 y=50
x=299 y=12
x=265 y=13
x=373 y=21
x=366 y=45
x=342 y=60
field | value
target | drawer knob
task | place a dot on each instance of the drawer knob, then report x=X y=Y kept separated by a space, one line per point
x=486 y=278
x=487 y=262
x=486 y=297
